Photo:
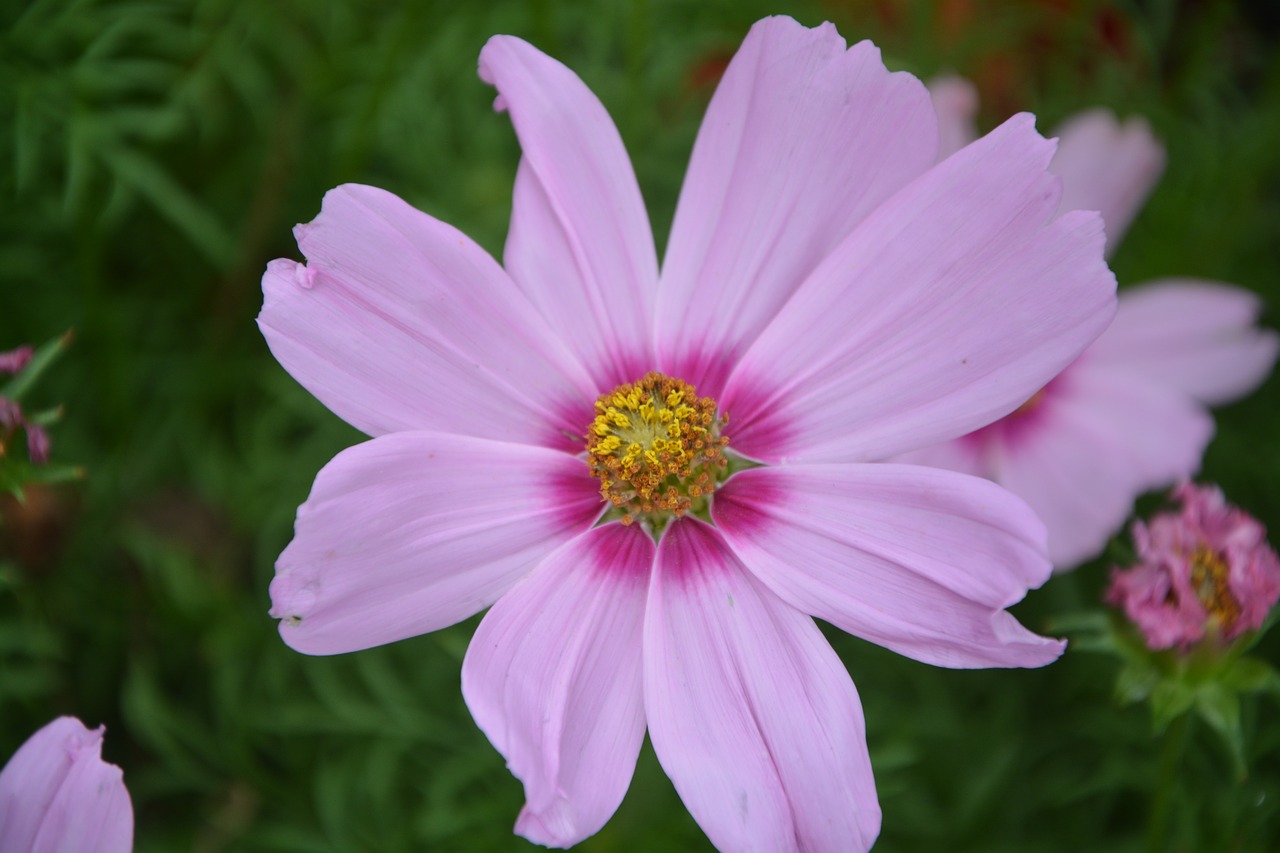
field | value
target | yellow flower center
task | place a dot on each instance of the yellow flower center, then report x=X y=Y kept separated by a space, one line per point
x=1209 y=579
x=655 y=446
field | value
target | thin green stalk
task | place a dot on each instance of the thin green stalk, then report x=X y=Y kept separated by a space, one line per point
x=1175 y=744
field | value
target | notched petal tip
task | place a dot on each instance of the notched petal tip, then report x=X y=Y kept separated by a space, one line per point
x=542 y=829
x=499 y=49
x=552 y=677
x=283 y=273
x=1033 y=650
x=1024 y=125
x=484 y=69
x=846 y=544
x=1024 y=121
x=70 y=734
x=304 y=276
x=334 y=197
x=292 y=596
x=789 y=25
x=57 y=793
x=293 y=599
x=1090 y=228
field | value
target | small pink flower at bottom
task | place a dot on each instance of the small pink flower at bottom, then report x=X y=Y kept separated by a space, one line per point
x=1205 y=572
x=57 y=795
x=658 y=475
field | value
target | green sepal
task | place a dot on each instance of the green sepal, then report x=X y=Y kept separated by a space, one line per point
x=1170 y=699
x=1251 y=675
x=1135 y=683
x=1207 y=681
x=16 y=473
x=1219 y=706
x=47 y=417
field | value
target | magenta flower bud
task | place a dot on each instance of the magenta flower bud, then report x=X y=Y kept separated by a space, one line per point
x=57 y=794
x=10 y=414
x=1205 y=571
x=37 y=444
x=15 y=359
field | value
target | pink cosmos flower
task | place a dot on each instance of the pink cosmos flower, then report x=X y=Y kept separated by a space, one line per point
x=1081 y=449
x=829 y=297
x=1205 y=571
x=58 y=795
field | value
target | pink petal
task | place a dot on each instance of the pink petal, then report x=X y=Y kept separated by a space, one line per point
x=963 y=455
x=947 y=308
x=411 y=532
x=57 y=794
x=800 y=142
x=919 y=560
x=1195 y=336
x=401 y=322
x=1098 y=442
x=955 y=100
x=1108 y=166
x=580 y=244
x=552 y=676
x=751 y=713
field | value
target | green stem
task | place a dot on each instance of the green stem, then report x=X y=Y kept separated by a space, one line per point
x=1175 y=743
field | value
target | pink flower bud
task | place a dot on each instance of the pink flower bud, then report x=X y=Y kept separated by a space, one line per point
x=10 y=415
x=37 y=444
x=1205 y=571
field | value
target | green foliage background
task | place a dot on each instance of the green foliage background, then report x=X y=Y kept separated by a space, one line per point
x=154 y=155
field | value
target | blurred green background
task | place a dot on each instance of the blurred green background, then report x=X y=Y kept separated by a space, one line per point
x=154 y=155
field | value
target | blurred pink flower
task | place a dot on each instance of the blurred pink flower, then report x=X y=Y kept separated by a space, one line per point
x=834 y=296
x=37 y=444
x=1081 y=449
x=15 y=359
x=12 y=417
x=1205 y=571
x=58 y=795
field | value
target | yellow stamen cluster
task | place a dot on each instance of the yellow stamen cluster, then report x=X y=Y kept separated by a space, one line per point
x=655 y=446
x=1209 y=574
